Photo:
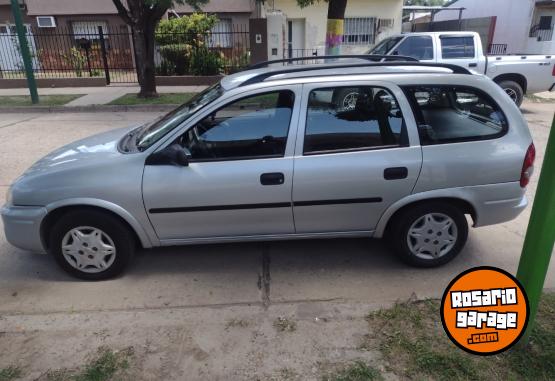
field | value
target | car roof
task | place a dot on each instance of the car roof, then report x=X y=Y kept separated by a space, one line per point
x=276 y=70
x=454 y=33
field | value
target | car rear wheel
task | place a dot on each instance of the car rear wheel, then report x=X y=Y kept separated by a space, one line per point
x=513 y=90
x=429 y=234
x=91 y=245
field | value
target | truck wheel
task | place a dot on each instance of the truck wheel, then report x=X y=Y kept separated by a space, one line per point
x=429 y=234
x=513 y=90
x=345 y=99
x=91 y=245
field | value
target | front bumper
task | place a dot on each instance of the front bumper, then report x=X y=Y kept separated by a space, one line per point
x=22 y=226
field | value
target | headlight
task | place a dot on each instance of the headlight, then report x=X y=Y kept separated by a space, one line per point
x=9 y=196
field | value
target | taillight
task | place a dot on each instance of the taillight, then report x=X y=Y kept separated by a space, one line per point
x=553 y=72
x=528 y=166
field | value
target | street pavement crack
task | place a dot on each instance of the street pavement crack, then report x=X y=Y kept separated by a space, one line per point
x=264 y=278
x=20 y=121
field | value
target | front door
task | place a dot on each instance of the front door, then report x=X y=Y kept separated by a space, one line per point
x=295 y=38
x=240 y=175
x=352 y=162
x=10 y=56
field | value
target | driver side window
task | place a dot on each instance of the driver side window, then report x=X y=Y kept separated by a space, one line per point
x=252 y=127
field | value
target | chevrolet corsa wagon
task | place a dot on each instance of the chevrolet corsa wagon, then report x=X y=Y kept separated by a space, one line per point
x=402 y=150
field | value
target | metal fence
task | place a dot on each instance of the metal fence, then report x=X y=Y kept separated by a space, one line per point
x=102 y=51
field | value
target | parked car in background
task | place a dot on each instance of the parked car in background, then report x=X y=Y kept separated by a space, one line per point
x=517 y=75
x=271 y=153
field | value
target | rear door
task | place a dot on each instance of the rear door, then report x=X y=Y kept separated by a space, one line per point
x=351 y=163
x=461 y=50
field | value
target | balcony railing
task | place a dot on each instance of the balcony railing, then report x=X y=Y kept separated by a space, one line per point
x=497 y=49
x=541 y=34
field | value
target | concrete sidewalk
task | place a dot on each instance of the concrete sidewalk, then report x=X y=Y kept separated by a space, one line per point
x=99 y=95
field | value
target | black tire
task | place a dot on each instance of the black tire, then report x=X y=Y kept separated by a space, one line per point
x=398 y=232
x=118 y=232
x=514 y=90
x=339 y=96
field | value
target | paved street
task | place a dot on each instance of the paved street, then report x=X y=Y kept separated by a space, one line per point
x=174 y=305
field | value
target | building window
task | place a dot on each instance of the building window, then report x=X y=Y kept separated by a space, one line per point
x=221 y=34
x=359 y=31
x=545 y=22
x=88 y=29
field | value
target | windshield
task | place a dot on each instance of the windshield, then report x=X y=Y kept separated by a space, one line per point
x=150 y=134
x=385 y=46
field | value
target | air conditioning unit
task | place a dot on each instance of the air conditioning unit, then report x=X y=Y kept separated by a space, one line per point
x=46 y=22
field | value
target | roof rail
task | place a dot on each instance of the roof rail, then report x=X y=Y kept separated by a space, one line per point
x=262 y=76
x=367 y=57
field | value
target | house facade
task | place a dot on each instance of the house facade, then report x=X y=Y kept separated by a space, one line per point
x=366 y=22
x=55 y=27
x=523 y=26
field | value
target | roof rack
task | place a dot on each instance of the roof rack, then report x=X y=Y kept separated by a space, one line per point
x=298 y=69
x=367 y=57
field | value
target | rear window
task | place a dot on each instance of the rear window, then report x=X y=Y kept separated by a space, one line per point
x=453 y=114
x=457 y=47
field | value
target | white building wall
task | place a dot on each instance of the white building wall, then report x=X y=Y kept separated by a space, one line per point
x=513 y=19
x=315 y=17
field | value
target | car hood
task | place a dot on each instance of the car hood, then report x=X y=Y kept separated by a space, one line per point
x=94 y=150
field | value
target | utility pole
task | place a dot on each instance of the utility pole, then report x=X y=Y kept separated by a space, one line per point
x=25 y=53
x=540 y=235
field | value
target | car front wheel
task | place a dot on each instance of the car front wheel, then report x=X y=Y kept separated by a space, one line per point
x=91 y=245
x=429 y=234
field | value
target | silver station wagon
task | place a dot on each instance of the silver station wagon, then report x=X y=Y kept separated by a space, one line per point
x=402 y=150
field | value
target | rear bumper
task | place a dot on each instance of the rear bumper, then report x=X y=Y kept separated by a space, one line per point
x=22 y=226
x=495 y=212
x=552 y=87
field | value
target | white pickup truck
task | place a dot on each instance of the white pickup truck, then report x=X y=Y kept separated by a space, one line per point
x=516 y=74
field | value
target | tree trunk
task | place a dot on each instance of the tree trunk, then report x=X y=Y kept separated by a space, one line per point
x=143 y=39
x=334 y=33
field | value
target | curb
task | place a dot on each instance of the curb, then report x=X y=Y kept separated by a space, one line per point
x=91 y=108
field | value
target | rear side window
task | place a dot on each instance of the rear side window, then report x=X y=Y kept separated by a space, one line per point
x=352 y=119
x=457 y=47
x=452 y=114
x=419 y=47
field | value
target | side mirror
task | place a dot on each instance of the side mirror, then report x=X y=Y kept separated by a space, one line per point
x=171 y=155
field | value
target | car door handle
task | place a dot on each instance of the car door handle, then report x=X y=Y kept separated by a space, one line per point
x=395 y=173
x=274 y=178
x=472 y=64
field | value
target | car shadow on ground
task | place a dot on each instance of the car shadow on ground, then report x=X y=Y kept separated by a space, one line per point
x=335 y=257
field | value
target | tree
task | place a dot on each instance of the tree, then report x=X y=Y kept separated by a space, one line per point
x=336 y=17
x=143 y=16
